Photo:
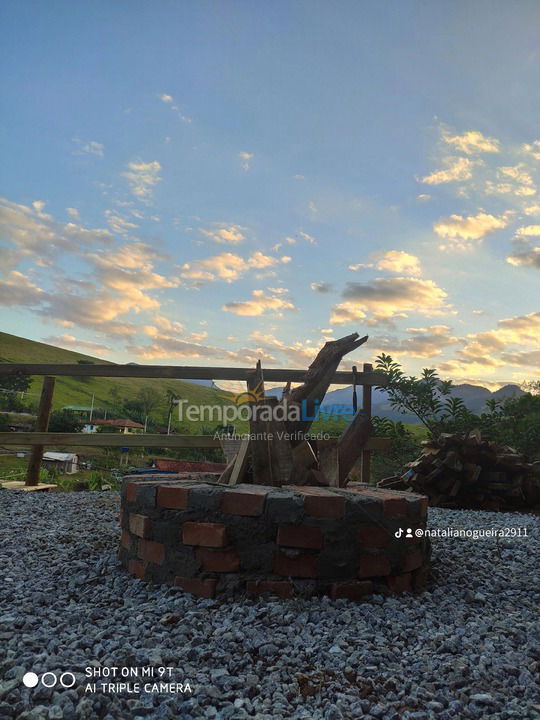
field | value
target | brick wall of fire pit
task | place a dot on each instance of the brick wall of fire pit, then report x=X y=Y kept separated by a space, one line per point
x=214 y=540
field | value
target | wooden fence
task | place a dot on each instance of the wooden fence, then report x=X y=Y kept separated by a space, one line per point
x=366 y=379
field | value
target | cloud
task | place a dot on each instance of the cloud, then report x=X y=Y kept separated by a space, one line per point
x=513 y=342
x=423 y=197
x=299 y=352
x=464 y=231
x=397 y=261
x=388 y=298
x=458 y=168
x=358 y=266
x=143 y=177
x=259 y=304
x=73 y=213
x=72 y=343
x=246 y=159
x=529 y=257
x=322 y=287
x=527 y=358
x=532 y=149
x=517 y=173
x=34 y=234
x=118 y=223
x=225 y=234
x=88 y=147
x=308 y=238
x=169 y=100
x=17 y=289
x=529 y=231
x=471 y=142
x=424 y=342
x=227 y=266
x=532 y=210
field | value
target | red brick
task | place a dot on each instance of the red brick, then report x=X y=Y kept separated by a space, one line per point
x=413 y=560
x=351 y=590
x=245 y=500
x=304 y=565
x=125 y=539
x=300 y=536
x=152 y=551
x=140 y=525
x=131 y=491
x=282 y=588
x=374 y=536
x=218 y=560
x=399 y=583
x=420 y=578
x=374 y=566
x=203 y=588
x=205 y=534
x=174 y=497
x=320 y=502
x=137 y=568
x=394 y=506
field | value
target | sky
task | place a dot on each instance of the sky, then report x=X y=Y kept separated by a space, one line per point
x=210 y=183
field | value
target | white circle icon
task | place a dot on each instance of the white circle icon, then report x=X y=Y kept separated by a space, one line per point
x=30 y=679
x=67 y=680
x=49 y=676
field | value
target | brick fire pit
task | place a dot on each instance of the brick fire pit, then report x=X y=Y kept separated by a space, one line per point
x=216 y=540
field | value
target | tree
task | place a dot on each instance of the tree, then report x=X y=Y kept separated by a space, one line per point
x=17 y=382
x=64 y=421
x=427 y=397
x=149 y=400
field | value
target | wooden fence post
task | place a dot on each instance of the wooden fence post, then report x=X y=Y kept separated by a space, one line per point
x=366 y=407
x=42 y=425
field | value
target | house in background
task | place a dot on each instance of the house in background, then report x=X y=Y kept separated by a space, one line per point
x=65 y=463
x=125 y=426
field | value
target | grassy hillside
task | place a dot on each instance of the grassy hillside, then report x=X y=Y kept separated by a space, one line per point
x=78 y=391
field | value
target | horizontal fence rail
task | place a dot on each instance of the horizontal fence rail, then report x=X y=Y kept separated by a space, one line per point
x=135 y=440
x=183 y=372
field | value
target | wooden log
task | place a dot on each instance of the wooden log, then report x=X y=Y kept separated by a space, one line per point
x=260 y=458
x=279 y=447
x=351 y=443
x=367 y=408
x=318 y=379
x=42 y=423
x=226 y=474
x=304 y=460
x=181 y=372
x=240 y=463
x=329 y=464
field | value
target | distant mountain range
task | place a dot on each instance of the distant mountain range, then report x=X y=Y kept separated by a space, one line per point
x=475 y=398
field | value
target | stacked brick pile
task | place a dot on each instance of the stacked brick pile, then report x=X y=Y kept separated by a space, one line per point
x=215 y=540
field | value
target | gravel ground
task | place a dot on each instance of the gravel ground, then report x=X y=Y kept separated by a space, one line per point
x=469 y=648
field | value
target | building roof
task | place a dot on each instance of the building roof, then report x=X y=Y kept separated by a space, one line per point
x=59 y=456
x=118 y=423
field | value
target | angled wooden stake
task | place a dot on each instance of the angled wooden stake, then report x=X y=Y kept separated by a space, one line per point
x=42 y=425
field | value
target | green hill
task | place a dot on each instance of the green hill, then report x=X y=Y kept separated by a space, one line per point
x=108 y=392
